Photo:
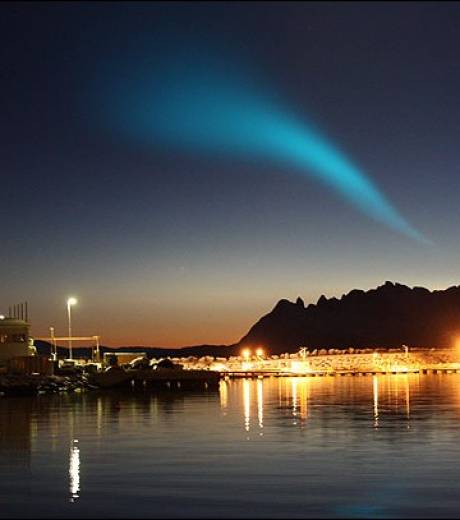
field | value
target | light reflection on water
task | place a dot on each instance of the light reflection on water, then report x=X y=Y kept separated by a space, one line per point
x=260 y=403
x=74 y=472
x=375 y=387
x=380 y=446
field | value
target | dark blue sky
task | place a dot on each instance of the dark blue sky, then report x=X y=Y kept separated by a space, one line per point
x=169 y=247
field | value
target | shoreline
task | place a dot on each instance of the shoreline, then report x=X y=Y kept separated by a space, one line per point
x=13 y=385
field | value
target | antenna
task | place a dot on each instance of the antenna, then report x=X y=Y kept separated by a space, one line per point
x=19 y=311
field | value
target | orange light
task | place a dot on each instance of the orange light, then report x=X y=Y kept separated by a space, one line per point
x=246 y=353
x=260 y=352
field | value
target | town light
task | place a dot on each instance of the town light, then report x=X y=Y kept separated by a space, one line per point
x=260 y=352
x=246 y=353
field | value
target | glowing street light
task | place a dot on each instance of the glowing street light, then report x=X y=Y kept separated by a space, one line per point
x=259 y=352
x=70 y=301
x=246 y=353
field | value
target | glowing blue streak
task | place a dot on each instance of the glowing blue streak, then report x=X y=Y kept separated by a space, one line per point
x=201 y=112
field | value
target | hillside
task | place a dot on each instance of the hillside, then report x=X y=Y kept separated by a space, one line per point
x=388 y=316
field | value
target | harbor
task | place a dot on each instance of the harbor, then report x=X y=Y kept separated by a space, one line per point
x=25 y=372
x=229 y=280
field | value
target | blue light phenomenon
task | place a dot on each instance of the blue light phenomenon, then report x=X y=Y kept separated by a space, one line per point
x=203 y=110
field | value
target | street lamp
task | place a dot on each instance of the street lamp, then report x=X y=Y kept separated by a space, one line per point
x=70 y=302
x=53 y=345
x=246 y=353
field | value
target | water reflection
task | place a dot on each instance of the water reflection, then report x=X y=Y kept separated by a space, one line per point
x=18 y=429
x=223 y=391
x=375 y=388
x=74 y=471
x=260 y=403
x=296 y=397
x=160 y=446
x=303 y=399
x=407 y=389
x=247 y=404
x=397 y=394
x=250 y=388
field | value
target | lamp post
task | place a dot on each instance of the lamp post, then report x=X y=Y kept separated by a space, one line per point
x=53 y=345
x=70 y=302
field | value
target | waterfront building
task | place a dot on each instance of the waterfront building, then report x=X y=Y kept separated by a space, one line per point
x=14 y=339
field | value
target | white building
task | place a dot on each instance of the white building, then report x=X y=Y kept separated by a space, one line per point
x=14 y=339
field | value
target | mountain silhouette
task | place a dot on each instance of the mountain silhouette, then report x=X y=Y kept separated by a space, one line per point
x=388 y=316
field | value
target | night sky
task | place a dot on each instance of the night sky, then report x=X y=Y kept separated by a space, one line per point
x=174 y=245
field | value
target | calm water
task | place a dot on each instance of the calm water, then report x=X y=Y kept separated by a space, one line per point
x=352 y=447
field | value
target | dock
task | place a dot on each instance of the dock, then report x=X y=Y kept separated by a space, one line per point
x=344 y=373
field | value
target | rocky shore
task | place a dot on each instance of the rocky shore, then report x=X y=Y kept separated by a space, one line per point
x=11 y=385
x=171 y=378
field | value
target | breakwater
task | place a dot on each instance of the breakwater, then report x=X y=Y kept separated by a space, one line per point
x=373 y=361
x=205 y=372
x=22 y=384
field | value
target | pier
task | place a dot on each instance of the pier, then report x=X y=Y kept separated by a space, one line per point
x=267 y=373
